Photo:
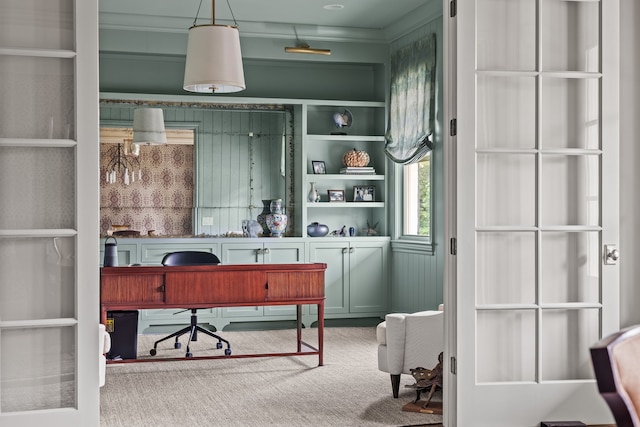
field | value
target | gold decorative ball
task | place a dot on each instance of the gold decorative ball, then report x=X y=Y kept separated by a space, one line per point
x=355 y=158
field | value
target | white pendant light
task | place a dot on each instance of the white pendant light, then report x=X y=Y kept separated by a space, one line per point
x=214 y=59
x=148 y=126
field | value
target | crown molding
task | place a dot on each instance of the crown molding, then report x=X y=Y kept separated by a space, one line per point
x=414 y=20
x=180 y=25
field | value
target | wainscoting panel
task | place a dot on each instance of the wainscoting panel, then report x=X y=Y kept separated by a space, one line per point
x=416 y=280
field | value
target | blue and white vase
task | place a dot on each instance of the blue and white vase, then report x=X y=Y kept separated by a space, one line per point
x=277 y=219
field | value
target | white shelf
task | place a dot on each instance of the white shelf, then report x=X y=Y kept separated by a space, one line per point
x=350 y=205
x=355 y=138
x=343 y=177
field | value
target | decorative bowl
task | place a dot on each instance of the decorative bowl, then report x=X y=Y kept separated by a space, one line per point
x=317 y=230
x=355 y=158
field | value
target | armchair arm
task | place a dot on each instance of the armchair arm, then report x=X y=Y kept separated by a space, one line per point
x=395 y=342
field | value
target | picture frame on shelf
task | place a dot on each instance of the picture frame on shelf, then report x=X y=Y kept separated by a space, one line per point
x=364 y=193
x=319 y=167
x=336 y=195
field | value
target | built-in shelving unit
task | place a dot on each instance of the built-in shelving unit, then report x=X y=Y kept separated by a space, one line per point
x=321 y=142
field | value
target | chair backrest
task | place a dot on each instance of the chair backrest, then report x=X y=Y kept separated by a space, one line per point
x=190 y=258
x=616 y=362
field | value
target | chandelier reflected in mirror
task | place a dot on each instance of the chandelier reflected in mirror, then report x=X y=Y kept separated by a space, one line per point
x=123 y=162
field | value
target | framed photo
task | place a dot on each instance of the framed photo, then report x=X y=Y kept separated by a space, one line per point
x=336 y=195
x=364 y=193
x=319 y=167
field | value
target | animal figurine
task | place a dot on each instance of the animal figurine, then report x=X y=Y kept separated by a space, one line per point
x=427 y=378
x=371 y=230
x=251 y=228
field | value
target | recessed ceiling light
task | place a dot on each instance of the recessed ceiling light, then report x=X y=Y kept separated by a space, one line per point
x=333 y=6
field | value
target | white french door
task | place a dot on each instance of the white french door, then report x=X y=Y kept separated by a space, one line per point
x=49 y=206
x=537 y=208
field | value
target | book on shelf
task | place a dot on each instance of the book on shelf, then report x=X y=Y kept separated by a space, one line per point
x=365 y=170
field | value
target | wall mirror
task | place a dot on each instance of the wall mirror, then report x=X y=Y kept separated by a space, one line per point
x=221 y=162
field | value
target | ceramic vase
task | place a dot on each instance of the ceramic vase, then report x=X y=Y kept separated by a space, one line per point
x=276 y=219
x=313 y=195
x=277 y=224
x=262 y=217
x=275 y=207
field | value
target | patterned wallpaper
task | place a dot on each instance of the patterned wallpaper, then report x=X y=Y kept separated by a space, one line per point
x=160 y=198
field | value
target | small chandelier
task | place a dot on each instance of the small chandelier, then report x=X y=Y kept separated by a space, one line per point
x=123 y=162
x=214 y=59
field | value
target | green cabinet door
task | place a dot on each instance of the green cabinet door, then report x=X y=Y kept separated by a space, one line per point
x=336 y=256
x=368 y=290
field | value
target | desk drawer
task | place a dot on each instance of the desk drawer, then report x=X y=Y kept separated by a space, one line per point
x=295 y=285
x=233 y=287
x=136 y=289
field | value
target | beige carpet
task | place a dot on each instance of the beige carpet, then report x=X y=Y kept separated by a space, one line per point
x=348 y=391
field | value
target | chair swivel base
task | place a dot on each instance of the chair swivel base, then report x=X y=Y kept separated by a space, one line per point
x=192 y=330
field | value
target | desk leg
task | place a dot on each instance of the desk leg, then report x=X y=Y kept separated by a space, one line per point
x=320 y=332
x=299 y=325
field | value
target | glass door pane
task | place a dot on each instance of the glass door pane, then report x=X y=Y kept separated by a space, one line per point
x=37 y=376
x=506 y=34
x=571 y=40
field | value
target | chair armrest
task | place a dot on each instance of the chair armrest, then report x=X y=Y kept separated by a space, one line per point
x=104 y=340
x=395 y=341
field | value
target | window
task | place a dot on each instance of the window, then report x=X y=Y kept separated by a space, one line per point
x=417 y=198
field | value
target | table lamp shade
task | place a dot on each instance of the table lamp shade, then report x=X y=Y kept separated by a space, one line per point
x=214 y=60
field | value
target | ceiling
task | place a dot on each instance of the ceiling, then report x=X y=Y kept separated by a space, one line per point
x=309 y=19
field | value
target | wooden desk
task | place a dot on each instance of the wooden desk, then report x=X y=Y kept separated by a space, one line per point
x=208 y=286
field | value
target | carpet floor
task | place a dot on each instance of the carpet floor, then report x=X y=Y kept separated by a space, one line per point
x=348 y=391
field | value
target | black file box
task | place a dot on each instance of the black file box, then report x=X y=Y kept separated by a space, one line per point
x=123 y=328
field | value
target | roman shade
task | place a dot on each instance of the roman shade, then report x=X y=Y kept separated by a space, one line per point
x=412 y=101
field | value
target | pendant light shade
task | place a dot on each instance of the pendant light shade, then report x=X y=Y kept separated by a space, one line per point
x=148 y=126
x=214 y=60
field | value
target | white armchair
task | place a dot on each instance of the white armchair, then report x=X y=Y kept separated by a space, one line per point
x=408 y=341
x=104 y=345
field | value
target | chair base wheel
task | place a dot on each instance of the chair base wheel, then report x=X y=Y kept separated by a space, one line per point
x=219 y=345
x=188 y=354
x=177 y=345
x=227 y=352
x=152 y=352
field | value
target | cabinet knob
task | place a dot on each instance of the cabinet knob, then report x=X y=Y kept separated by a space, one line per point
x=344 y=250
x=265 y=251
x=352 y=250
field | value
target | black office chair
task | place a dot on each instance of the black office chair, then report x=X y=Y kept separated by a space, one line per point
x=616 y=363
x=191 y=258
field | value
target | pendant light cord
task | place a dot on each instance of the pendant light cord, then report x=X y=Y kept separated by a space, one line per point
x=235 y=23
x=198 y=13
